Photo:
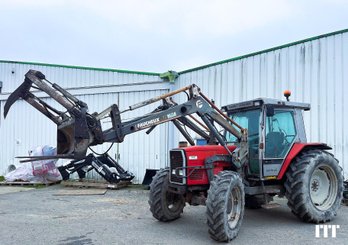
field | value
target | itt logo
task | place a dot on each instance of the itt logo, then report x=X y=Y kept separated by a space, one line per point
x=323 y=230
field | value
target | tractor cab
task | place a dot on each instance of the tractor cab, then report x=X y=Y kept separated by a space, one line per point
x=273 y=127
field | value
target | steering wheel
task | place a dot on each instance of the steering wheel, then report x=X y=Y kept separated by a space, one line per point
x=285 y=135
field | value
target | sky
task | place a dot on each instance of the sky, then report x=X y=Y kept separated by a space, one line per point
x=157 y=35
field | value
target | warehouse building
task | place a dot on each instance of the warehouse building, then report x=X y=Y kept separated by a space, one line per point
x=314 y=69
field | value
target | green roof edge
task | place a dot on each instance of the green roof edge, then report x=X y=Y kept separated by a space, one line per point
x=185 y=71
x=81 y=67
x=265 y=51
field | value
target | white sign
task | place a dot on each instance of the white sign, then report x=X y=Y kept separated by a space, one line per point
x=323 y=230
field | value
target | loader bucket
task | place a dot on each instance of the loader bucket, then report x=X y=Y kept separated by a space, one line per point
x=73 y=133
x=69 y=143
x=65 y=139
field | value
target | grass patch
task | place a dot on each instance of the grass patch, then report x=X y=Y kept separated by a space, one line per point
x=36 y=186
x=39 y=186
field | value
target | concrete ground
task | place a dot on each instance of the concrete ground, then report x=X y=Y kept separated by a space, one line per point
x=36 y=216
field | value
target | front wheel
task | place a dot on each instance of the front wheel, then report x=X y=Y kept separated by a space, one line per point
x=164 y=205
x=314 y=186
x=225 y=206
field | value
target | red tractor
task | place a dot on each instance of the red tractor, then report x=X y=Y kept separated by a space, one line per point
x=280 y=162
x=263 y=152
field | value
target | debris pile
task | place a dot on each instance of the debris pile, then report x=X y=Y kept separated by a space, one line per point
x=39 y=171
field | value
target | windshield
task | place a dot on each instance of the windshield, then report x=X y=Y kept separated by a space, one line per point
x=246 y=119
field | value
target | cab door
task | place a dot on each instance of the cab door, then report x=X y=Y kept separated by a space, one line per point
x=280 y=134
x=249 y=119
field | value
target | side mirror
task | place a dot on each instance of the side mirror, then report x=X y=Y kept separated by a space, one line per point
x=269 y=111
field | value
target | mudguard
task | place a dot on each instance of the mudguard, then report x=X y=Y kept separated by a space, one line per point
x=295 y=150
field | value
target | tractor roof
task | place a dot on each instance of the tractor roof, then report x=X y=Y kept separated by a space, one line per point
x=257 y=103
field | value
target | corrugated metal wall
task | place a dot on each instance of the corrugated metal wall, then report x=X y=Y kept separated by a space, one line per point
x=25 y=127
x=316 y=71
x=140 y=151
x=12 y=74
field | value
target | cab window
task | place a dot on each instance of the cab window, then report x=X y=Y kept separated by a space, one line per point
x=280 y=134
x=248 y=120
x=251 y=121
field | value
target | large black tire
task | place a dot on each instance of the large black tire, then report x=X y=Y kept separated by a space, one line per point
x=165 y=206
x=225 y=206
x=314 y=186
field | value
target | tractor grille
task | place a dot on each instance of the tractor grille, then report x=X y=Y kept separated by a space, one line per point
x=196 y=174
x=177 y=160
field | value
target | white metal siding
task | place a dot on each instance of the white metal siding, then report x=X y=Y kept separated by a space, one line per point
x=12 y=75
x=25 y=127
x=140 y=151
x=315 y=71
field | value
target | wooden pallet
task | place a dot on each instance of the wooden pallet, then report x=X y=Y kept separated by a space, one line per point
x=24 y=183
x=95 y=184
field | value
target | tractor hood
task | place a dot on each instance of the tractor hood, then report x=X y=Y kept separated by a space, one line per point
x=212 y=149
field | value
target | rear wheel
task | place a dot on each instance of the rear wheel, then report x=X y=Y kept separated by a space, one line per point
x=314 y=186
x=225 y=206
x=164 y=205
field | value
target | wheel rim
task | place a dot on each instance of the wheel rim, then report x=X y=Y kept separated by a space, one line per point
x=323 y=187
x=234 y=207
x=173 y=201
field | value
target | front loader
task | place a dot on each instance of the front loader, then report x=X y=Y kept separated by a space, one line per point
x=262 y=152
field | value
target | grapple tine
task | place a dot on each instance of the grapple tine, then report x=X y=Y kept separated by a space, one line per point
x=41 y=158
x=20 y=92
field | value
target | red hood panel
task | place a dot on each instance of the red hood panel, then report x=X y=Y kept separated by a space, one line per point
x=195 y=160
x=212 y=148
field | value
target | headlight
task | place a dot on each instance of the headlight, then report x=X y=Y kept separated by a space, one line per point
x=178 y=172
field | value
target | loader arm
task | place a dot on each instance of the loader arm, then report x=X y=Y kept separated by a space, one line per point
x=77 y=129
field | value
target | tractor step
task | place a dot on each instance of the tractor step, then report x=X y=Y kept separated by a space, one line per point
x=270 y=205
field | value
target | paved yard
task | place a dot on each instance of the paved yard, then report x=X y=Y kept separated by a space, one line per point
x=36 y=216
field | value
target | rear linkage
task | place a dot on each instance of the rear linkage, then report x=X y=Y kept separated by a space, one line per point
x=77 y=129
